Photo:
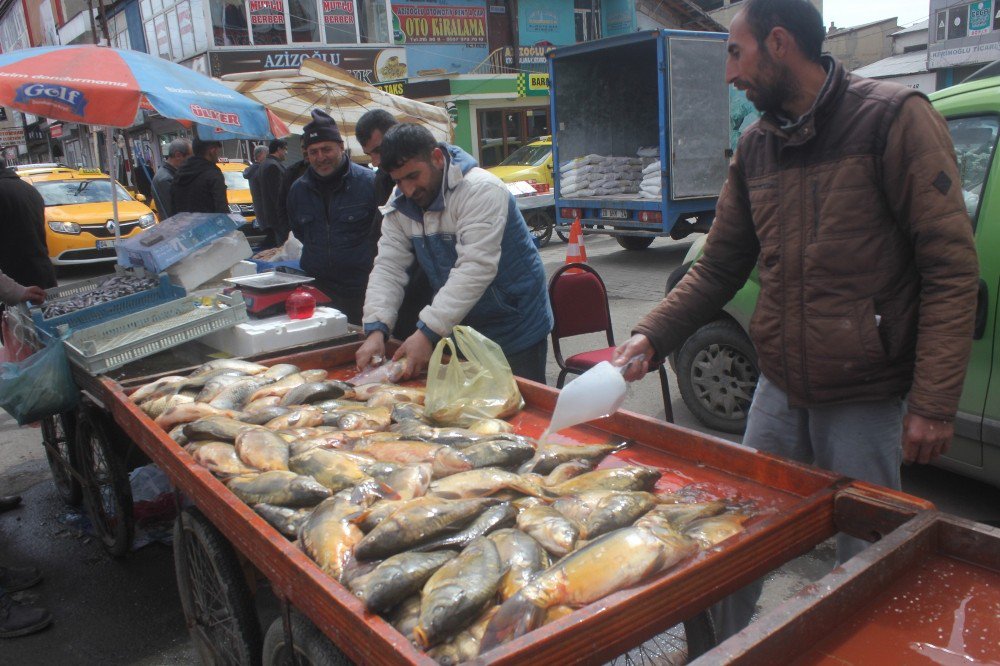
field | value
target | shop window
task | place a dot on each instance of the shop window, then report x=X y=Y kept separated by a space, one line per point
x=340 y=22
x=502 y=131
x=299 y=21
x=374 y=22
x=229 y=23
x=303 y=20
x=267 y=22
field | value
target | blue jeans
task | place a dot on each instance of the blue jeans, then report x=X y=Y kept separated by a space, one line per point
x=862 y=440
x=530 y=363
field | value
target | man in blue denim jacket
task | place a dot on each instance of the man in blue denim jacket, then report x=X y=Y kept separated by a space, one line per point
x=464 y=228
x=330 y=210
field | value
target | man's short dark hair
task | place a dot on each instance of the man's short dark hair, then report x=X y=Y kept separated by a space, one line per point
x=404 y=142
x=376 y=119
x=276 y=145
x=798 y=17
x=199 y=146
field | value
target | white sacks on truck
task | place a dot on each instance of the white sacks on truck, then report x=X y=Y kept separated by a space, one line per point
x=602 y=175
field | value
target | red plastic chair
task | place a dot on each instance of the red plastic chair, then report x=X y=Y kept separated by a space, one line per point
x=580 y=305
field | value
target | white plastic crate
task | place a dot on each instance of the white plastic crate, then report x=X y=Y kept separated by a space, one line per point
x=112 y=344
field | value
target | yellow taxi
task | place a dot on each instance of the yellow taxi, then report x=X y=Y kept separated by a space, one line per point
x=531 y=163
x=237 y=188
x=80 y=226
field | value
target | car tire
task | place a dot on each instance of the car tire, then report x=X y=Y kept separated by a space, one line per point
x=717 y=374
x=634 y=242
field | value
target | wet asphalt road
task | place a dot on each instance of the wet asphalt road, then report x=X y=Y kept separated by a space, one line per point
x=126 y=611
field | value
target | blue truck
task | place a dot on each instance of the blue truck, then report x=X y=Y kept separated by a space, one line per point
x=643 y=133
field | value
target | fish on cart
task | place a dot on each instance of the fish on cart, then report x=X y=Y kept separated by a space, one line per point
x=279 y=487
x=461 y=537
x=613 y=562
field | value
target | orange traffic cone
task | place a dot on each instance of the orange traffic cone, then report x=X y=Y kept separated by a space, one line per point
x=576 y=251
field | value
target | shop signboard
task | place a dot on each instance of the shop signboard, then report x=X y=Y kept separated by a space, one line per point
x=441 y=23
x=532 y=84
x=56 y=131
x=617 y=17
x=980 y=17
x=963 y=55
x=368 y=65
x=543 y=26
x=441 y=36
x=11 y=136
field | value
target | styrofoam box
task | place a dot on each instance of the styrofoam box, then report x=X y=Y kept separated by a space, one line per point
x=258 y=336
x=217 y=257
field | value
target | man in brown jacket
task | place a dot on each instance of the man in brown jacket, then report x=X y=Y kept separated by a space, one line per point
x=846 y=196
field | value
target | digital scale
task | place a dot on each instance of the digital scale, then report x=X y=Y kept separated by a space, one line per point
x=265 y=293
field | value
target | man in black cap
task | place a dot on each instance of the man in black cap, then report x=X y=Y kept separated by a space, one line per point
x=199 y=186
x=330 y=209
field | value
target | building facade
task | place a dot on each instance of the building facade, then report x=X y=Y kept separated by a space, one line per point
x=963 y=37
x=482 y=59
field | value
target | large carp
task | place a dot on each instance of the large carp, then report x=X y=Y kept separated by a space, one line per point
x=458 y=592
x=613 y=562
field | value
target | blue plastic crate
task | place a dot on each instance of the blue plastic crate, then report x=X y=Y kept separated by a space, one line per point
x=280 y=266
x=164 y=292
x=164 y=244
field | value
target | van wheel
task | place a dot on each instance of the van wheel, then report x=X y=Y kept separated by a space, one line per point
x=634 y=242
x=717 y=374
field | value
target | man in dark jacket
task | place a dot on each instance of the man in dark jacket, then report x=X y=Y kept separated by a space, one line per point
x=199 y=186
x=24 y=255
x=331 y=208
x=252 y=174
x=370 y=129
x=163 y=182
x=269 y=188
x=282 y=225
x=847 y=198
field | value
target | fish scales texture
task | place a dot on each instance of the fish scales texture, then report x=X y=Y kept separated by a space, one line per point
x=613 y=562
x=484 y=482
x=262 y=449
x=549 y=456
x=397 y=577
x=458 y=592
x=329 y=538
x=333 y=469
x=557 y=533
x=417 y=522
x=494 y=518
x=615 y=478
x=523 y=556
x=284 y=519
x=279 y=487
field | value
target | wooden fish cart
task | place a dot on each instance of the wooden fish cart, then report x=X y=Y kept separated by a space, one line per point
x=927 y=593
x=798 y=507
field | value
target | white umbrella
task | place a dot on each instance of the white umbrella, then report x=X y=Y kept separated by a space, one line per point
x=319 y=85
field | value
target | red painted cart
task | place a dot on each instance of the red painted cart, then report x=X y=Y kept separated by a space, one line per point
x=799 y=508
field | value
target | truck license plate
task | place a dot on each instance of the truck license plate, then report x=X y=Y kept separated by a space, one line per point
x=614 y=213
x=104 y=244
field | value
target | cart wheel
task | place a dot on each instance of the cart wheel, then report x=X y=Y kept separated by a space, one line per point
x=678 y=645
x=218 y=606
x=540 y=223
x=107 y=494
x=58 y=432
x=309 y=644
